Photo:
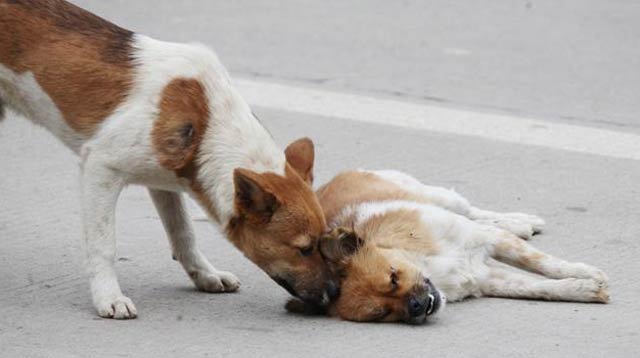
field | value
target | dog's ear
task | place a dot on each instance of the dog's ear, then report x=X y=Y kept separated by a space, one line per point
x=337 y=246
x=253 y=199
x=181 y=122
x=300 y=155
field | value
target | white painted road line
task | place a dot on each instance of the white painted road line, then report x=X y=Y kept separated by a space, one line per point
x=498 y=127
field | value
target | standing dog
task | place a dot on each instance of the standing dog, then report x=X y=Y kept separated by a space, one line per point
x=164 y=115
x=407 y=246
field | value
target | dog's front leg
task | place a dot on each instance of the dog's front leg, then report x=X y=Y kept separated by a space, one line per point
x=177 y=224
x=101 y=187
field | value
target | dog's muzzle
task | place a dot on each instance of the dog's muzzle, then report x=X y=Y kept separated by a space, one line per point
x=426 y=304
x=320 y=298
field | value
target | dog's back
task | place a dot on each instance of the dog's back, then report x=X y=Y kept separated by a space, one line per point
x=356 y=187
x=61 y=66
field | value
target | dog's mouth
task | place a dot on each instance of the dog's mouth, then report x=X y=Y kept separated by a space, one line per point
x=436 y=302
x=431 y=305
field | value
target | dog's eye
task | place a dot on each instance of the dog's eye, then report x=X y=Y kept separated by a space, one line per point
x=394 y=280
x=306 y=251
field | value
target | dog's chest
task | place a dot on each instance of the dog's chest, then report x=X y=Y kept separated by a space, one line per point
x=455 y=271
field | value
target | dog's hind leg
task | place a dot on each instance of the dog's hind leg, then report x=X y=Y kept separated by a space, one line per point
x=177 y=224
x=508 y=248
x=504 y=282
x=523 y=225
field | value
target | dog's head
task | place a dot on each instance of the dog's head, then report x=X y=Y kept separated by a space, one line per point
x=279 y=222
x=274 y=217
x=377 y=284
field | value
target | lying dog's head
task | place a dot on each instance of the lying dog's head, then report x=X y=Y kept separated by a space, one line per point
x=279 y=222
x=377 y=284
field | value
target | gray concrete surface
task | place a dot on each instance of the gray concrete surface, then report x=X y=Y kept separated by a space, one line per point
x=590 y=202
x=566 y=60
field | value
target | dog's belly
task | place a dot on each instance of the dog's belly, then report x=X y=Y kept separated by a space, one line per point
x=22 y=93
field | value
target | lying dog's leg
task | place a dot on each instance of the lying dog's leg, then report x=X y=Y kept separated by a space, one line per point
x=509 y=249
x=523 y=225
x=503 y=282
x=100 y=190
x=177 y=224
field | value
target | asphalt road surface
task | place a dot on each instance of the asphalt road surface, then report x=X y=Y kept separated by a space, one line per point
x=570 y=63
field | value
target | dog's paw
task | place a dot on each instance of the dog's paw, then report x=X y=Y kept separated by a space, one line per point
x=536 y=222
x=590 y=290
x=581 y=270
x=519 y=228
x=118 y=307
x=217 y=281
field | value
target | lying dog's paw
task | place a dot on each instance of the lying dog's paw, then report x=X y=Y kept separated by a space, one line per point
x=587 y=271
x=536 y=222
x=593 y=291
x=519 y=228
x=294 y=305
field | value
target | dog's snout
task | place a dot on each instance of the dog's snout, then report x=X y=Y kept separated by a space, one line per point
x=426 y=302
x=417 y=307
x=286 y=285
x=318 y=296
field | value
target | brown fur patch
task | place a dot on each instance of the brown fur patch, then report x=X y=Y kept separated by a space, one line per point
x=400 y=229
x=177 y=133
x=80 y=60
x=354 y=187
x=531 y=260
x=516 y=252
x=602 y=295
x=181 y=122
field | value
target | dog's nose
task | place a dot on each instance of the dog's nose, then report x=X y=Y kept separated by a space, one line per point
x=332 y=290
x=417 y=307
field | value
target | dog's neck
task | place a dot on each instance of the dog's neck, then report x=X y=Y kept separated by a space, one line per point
x=235 y=139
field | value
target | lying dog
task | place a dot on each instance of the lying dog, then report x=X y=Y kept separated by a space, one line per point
x=409 y=247
x=164 y=115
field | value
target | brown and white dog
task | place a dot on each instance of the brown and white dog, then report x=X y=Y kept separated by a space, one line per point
x=408 y=247
x=164 y=115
